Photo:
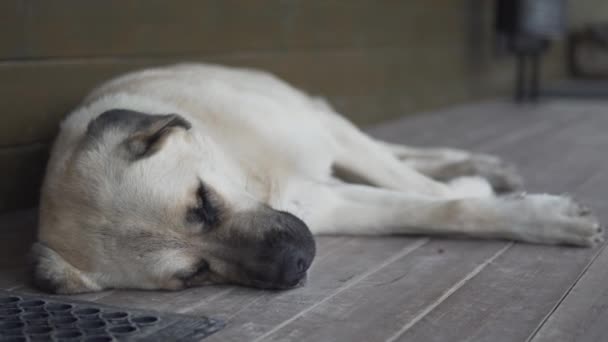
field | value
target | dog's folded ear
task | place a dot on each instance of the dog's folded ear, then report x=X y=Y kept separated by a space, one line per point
x=150 y=134
x=145 y=132
x=51 y=273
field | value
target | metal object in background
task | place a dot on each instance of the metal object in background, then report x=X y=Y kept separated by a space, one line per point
x=528 y=27
x=588 y=52
x=544 y=19
x=34 y=318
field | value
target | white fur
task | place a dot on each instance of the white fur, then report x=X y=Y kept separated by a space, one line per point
x=257 y=140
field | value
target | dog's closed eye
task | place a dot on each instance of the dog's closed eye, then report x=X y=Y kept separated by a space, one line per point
x=204 y=212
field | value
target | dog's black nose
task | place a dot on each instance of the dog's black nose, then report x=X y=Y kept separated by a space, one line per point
x=280 y=253
x=298 y=250
x=294 y=267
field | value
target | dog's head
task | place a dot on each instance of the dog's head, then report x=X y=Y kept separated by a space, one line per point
x=142 y=202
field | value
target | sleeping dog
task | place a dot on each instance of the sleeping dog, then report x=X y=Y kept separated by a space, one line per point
x=197 y=174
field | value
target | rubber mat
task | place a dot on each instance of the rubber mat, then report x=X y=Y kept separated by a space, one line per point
x=25 y=317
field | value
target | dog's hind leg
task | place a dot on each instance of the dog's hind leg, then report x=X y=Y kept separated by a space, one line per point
x=362 y=160
x=444 y=164
x=364 y=210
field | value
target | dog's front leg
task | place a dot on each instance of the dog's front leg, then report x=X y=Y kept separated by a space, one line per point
x=362 y=210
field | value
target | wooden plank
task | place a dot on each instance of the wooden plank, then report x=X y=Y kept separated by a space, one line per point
x=506 y=301
x=352 y=262
x=395 y=294
x=583 y=314
x=560 y=161
x=503 y=128
x=493 y=305
x=430 y=128
x=475 y=127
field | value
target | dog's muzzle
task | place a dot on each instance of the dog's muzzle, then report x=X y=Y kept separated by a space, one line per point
x=295 y=250
x=279 y=254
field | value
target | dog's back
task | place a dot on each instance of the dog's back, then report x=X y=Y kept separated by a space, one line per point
x=264 y=123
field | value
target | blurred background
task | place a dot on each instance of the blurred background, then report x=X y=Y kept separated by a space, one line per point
x=373 y=60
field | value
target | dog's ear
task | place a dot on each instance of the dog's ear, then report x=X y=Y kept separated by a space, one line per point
x=151 y=133
x=51 y=273
x=145 y=132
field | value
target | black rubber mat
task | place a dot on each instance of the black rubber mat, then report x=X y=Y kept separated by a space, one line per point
x=35 y=318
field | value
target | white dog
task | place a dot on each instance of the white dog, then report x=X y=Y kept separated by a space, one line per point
x=195 y=174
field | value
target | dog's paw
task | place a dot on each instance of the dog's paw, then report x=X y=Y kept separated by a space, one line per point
x=555 y=220
x=503 y=176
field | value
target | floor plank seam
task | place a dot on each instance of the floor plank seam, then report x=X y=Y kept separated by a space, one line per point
x=205 y=301
x=566 y=293
x=448 y=293
x=587 y=180
x=333 y=251
x=403 y=252
x=252 y=302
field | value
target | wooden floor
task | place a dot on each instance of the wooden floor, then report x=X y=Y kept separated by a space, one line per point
x=419 y=289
